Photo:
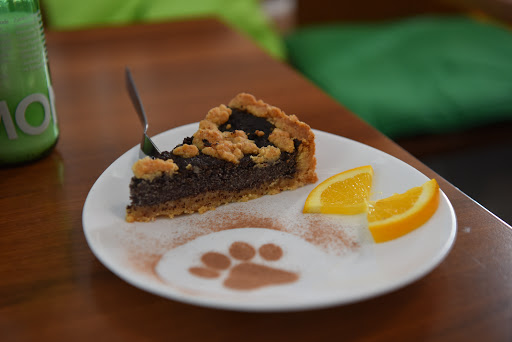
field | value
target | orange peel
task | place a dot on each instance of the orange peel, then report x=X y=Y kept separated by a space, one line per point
x=397 y=215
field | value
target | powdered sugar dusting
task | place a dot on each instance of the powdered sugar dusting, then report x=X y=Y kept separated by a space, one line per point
x=145 y=243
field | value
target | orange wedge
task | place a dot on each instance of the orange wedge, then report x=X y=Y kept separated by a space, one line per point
x=345 y=193
x=397 y=215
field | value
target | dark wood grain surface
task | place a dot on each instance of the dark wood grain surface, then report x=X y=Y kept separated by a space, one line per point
x=53 y=288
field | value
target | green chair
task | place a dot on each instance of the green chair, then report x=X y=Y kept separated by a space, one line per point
x=417 y=76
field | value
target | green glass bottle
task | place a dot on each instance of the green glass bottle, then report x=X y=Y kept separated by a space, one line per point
x=28 y=122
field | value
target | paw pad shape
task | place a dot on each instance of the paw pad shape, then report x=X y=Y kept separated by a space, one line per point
x=244 y=275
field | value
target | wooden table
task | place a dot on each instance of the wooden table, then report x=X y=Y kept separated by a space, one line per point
x=53 y=288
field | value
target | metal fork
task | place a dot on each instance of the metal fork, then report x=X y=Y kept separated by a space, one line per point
x=147 y=146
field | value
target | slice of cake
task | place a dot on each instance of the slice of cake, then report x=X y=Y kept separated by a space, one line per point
x=240 y=152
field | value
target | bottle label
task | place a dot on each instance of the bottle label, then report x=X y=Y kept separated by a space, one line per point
x=21 y=115
x=28 y=122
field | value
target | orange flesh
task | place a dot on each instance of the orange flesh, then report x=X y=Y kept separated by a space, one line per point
x=394 y=205
x=348 y=192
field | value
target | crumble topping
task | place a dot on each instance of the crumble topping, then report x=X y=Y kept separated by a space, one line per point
x=259 y=133
x=235 y=136
x=218 y=115
x=212 y=136
x=240 y=139
x=249 y=103
x=205 y=124
x=230 y=146
x=186 y=151
x=149 y=169
x=266 y=154
x=225 y=150
x=282 y=140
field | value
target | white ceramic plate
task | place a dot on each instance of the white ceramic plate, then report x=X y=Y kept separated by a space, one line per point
x=326 y=260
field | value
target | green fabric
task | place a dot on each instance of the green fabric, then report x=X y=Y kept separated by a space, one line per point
x=423 y=75
x=244 y=15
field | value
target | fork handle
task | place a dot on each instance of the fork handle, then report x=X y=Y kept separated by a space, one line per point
x=134 y=96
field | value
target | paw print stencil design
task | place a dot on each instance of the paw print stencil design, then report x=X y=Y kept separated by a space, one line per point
x=242 y=273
